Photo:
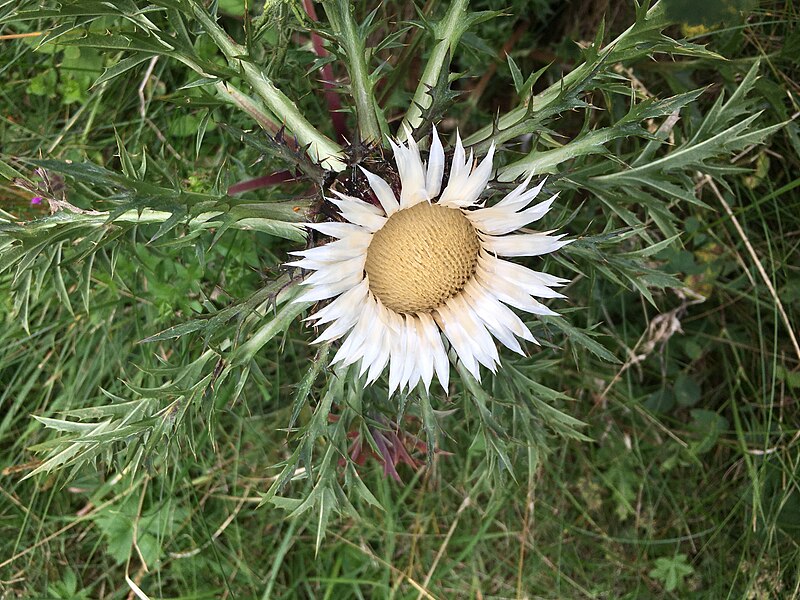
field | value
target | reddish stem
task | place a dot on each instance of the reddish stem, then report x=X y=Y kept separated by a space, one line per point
x=331 y=96
x=260 y=182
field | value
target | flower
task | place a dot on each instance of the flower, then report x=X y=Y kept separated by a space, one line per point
x=411 y=276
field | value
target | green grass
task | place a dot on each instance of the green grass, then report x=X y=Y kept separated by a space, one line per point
x=689 y=487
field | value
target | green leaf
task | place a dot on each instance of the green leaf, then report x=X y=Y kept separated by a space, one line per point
x=185 y=125
x=269 y=330
x=10 y=173
x=118 y=531
x=319 y=361
x=707 y=427
x=687 y=391
x=429 y=423
x=516 y=74
x=672 y=571
x=581 y=338
x=123 y=66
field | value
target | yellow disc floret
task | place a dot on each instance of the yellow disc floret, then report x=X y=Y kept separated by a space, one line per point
x=421 y=257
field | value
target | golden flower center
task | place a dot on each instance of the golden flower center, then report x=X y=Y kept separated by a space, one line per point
x=421 y=257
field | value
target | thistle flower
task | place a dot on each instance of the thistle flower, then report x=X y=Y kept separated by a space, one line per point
x=414 y=275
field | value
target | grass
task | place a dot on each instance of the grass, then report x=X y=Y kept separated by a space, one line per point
x=690 y=487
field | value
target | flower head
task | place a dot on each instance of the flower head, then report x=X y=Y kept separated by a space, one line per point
x=414 y=275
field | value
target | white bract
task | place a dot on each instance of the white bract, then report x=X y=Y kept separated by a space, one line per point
x=410 y=277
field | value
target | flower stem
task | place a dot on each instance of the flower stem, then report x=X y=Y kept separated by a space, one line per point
x=321 y=148
x=252 y=107
x=448 y=31
x=371 y=120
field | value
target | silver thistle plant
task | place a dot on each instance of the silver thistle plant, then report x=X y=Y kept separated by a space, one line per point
x=393 y=324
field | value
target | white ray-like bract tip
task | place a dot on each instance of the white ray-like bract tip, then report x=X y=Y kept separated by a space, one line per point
x=435 y=168
x=409 y=167
x=358 y=212
x=383 y=192
x=523 y=244
x=520 y=196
